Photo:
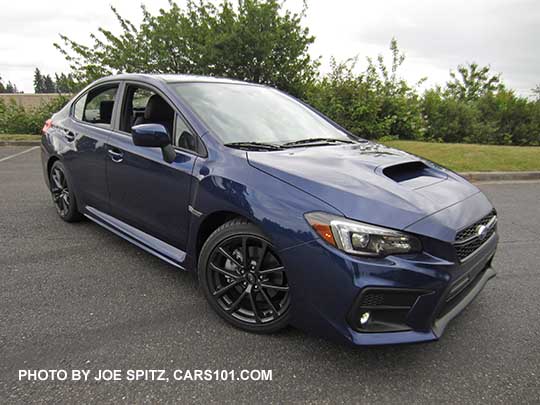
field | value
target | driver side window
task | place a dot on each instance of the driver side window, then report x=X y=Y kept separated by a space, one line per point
x=144 y=106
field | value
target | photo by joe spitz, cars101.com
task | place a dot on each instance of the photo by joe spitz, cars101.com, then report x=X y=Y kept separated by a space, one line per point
x=286 y=217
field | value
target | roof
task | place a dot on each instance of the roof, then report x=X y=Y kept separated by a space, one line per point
x=174 y=78
x=195 y=78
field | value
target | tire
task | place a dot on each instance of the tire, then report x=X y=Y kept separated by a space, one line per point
x=253 y=296
x=62 y=193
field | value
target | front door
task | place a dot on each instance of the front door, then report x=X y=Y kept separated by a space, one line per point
x=145 y=191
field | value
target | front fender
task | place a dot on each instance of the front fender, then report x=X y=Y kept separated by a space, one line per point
x=232 y=185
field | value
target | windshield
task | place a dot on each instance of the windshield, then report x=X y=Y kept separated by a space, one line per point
x=246 y=113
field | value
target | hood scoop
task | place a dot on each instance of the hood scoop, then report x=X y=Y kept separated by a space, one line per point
x=393 y=189
x=413 y=174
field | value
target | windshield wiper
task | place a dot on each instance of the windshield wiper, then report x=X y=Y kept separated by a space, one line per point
x=316 y=141
x=253 y=145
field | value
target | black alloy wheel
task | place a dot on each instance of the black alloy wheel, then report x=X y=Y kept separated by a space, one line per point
x=244 y=279
x=63 y=197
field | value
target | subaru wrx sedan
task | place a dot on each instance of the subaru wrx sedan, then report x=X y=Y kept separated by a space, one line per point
x=286 y=217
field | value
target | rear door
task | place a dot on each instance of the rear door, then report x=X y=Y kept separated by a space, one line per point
x=90 y=127
x=145 y=191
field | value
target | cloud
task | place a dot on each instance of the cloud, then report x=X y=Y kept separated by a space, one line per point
x=435 y=35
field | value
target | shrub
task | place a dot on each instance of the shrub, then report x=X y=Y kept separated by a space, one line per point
x=372 y=104
x=15 y=119
x=494 y=118
x=475 y=107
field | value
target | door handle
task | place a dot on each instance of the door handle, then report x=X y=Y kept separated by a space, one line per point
x=116 y=155
x=70 y=136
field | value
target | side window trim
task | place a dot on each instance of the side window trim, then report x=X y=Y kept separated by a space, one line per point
x=117 y=110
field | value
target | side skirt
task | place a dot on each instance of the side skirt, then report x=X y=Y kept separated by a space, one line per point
x=152 y=245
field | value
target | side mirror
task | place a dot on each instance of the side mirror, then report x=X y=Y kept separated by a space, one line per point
x=154 y=136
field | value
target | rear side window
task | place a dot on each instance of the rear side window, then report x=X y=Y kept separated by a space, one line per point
x=79 y=107
x=96 y=106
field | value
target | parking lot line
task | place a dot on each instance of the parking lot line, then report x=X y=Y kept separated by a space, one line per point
x=18 y=154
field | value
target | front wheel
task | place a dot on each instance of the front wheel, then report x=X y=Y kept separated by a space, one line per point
x=243 y=278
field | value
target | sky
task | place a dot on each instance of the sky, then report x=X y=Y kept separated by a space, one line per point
x=436 y=36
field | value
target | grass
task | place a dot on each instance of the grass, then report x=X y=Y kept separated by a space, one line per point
x=474 y=158
x=19 y=137
x=460 y=157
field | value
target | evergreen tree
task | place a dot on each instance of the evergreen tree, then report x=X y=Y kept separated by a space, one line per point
x=11 y=88
x=39 y=85
x=8 y=87
x=66 y=83
x=48 y=84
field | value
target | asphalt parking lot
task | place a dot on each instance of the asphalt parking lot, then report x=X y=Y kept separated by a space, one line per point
x=78 y=297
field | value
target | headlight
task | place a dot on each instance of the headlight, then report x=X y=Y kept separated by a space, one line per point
x=359 y=238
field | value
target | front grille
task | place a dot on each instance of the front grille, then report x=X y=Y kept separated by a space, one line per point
x=467 y=240
x=372 y=300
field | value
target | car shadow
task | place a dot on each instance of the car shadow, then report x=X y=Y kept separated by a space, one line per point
x=295 y=342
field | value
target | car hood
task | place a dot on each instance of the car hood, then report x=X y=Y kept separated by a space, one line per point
x=368 y=182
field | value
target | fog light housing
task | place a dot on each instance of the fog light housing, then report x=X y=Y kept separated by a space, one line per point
x=364 y=318
x=383 y=309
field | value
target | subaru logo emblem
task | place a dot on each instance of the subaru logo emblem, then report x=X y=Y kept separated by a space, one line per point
x=482 y=232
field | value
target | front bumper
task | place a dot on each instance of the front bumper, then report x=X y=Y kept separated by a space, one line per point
x=440 y=323
x=326 y=293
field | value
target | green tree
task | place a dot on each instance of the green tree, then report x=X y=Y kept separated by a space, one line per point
x=11 y=88
x=373 y=104
x=8 y=87
x=48 y=84
x=256 y=40
x=39 y=85
x=471 y=82
x=536 y=92
x=66 y=83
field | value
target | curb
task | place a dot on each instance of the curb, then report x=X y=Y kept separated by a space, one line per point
x=471 y=176
x=20 y=143
x=501 y=176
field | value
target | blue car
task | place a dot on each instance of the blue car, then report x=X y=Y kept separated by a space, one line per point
x=286 y=217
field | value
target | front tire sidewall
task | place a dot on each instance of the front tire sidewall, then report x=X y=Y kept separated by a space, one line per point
x=235 y=228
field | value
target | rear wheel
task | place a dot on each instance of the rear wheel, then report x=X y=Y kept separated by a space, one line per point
x=62 y=194
x=243 y=278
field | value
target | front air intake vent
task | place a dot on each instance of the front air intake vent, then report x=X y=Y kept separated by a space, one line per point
x=406 y=171
x=414 y=174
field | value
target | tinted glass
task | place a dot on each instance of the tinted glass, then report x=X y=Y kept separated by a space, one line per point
x=245 y=113
x=183 y=137
x=145 y=106
x=134 y=106
x=141 y=97
x=79 y=107
x=99 y=105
